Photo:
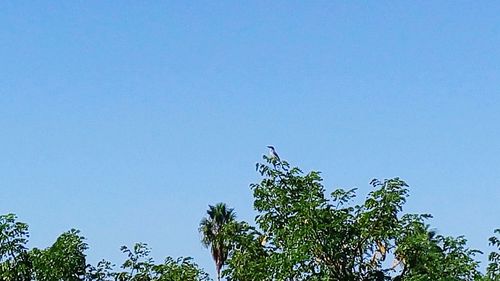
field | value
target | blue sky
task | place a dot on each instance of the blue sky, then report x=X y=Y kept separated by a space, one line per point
x=126 y=119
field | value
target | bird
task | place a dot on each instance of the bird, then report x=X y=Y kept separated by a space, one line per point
x=272 y=153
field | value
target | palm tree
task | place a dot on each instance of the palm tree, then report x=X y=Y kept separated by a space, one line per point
x=214 y=233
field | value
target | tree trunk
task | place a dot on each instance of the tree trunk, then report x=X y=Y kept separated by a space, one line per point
x=218 y=268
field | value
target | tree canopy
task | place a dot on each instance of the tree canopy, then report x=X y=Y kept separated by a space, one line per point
x=301 y=232
x=217 y=231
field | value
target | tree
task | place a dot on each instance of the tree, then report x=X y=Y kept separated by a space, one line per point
x=14 y=259
x=300 y=233
x=303 y=234
x=493 y=269
x=216 y=233
x=139 y=266
x=181 y=269
x=64 y=260
x=100 y=272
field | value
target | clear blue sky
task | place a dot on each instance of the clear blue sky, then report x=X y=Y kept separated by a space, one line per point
x=126 y=119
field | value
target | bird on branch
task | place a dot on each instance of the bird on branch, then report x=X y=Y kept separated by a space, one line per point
x=272 y=153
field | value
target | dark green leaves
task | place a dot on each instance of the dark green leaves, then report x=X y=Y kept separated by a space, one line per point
x=300 y=233
x=305 y=235
x=14 y=260
x=493 y=269
x=64 y=260
x=217 y=231
x=139 y=266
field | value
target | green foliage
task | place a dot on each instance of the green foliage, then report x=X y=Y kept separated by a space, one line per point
x=426 y=256
x=181 y=269
x=248 y=256
x=101 y=272
x=217 y=231
x=140 y=267
x=493 y=269
x=14 y=259
x=64 y=260
x=301 y=234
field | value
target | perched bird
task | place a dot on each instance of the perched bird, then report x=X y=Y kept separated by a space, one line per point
x=272 y=153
